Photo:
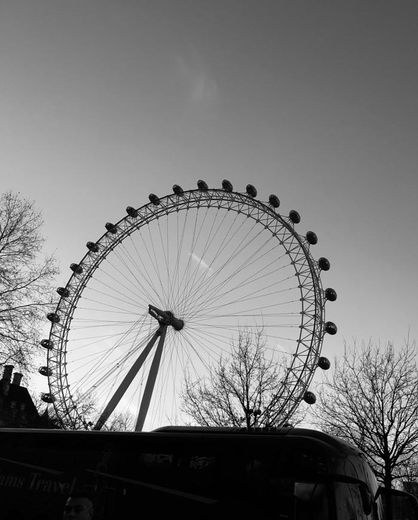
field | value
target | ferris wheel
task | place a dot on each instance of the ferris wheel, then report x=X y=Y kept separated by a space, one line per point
x=165 y=292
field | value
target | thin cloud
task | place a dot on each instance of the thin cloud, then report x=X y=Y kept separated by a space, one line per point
x=202 y=263
x=200 y=86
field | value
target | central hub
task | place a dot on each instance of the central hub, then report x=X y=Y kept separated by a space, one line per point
x=165 y=317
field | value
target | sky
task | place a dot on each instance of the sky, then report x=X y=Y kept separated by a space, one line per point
x=103 y=102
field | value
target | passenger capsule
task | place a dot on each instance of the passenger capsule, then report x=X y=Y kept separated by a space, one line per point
x=112 y=228
x=47 y=398
x=63 y=292
x=309 y=397
x=311 y=237
x=92 y=246
x=324 y=264
x=330 y=294
x=47 y=343
x=251 y=191
x=76 y=268
x=45 y=371
x=53 y=317
x=294 y=216
x=154 y=199
x=324 y=363
x=330 y=328
x=274 y=201
x=132 y=212
x=202 y=185
x=226 y=185
x=178 y=190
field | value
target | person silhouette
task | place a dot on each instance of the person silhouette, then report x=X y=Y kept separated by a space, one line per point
x=79 y=506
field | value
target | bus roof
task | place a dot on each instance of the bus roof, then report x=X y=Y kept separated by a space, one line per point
x=289 y=431
x=344 y=448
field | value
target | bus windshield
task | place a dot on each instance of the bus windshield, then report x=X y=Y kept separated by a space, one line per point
x=181 y=476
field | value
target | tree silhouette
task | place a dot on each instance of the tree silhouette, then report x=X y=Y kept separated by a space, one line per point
x=372 y=402
x=241 y=392
x=25 y=281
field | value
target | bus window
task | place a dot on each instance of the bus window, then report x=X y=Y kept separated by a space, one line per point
x=312 y=501
x=350 y=502
x=184 y=472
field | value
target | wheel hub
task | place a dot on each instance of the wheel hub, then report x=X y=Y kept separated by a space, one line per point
x=165 y=317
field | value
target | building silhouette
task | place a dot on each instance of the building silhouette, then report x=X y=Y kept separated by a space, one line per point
x=17 y=409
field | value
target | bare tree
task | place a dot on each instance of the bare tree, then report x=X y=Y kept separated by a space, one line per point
x=47 y=418
x=25 y=280
x=85 y=419
x=120 y=422
x=372 y=401
x=240 y=392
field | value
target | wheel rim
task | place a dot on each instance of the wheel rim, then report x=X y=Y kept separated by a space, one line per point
x=219 y=260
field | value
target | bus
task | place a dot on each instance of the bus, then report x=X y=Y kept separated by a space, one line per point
x=192 y=472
